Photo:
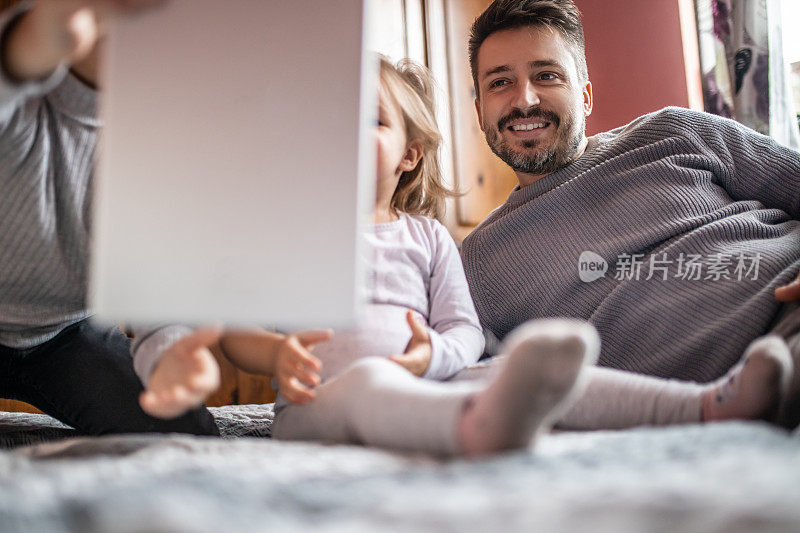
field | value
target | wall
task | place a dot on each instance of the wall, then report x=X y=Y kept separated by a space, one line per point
x=635 y=53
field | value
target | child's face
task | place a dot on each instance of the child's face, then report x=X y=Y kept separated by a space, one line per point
x=392 y=141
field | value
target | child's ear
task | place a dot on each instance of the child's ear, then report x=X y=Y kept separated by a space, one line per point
x=411 y=157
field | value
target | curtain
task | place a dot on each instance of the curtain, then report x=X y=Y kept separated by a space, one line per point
x=744 y=74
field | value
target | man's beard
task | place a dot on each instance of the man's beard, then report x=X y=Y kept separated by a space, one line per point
x=569 y=135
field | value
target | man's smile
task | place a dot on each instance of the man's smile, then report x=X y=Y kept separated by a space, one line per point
x=528 y=126
x=528 y=129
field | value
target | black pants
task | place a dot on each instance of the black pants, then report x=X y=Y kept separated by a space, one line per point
x=84 y=377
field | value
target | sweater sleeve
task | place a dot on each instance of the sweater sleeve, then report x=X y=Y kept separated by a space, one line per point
x=149 y=345
x=456 y=336
x=14 y=94
x=752 y=166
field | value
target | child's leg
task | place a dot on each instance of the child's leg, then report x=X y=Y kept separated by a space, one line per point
x=751 y=390
x=376 y=402
x=615 y=399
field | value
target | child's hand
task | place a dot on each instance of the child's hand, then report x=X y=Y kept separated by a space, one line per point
x=60 y=30
x=184 y=377
x=296 y=369
x=417 y=356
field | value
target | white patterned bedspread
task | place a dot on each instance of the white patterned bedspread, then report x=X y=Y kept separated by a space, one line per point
x=721 y=477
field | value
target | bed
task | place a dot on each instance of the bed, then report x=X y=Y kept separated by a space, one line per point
x=720 y=477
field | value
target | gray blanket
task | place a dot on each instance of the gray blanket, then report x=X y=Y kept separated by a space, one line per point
x=718 y=477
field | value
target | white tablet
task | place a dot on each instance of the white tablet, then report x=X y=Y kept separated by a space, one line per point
x=236 y=164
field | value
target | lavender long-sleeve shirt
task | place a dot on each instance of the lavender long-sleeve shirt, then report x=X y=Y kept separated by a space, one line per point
x=411 y=263
x=670 y=187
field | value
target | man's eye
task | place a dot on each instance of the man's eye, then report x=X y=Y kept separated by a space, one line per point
x=547 y=76
x=497 y=83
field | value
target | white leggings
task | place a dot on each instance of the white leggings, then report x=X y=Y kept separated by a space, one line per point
x=615 y=399
x=378 y=403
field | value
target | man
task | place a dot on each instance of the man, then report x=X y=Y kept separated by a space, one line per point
x=50 y=354
x=671 y=235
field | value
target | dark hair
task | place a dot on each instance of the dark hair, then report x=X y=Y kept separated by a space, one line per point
x=562 y=15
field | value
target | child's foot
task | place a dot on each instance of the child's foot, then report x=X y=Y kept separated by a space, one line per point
x=751 y=390
x=542 y=368
x=184 y=377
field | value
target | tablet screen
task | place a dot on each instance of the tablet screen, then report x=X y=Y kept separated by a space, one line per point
x=236 y=163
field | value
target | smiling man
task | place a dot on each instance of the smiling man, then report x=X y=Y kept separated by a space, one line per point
x=688 y=221
x=533 y=110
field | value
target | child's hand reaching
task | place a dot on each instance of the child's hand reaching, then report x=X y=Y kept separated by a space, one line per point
x=296 y=369
x=184 y=377
x=419 y=350
x=61 y=30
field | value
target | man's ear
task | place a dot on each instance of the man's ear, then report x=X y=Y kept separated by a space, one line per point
x=588 y=101
x=411 y=157
x=478 y=110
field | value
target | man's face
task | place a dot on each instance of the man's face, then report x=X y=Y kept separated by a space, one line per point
x=531 y=105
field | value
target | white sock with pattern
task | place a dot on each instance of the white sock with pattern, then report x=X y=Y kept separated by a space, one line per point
x=752 y=389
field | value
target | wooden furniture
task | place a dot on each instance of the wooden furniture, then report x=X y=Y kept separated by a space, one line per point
x=239 y=387
x=18 y=407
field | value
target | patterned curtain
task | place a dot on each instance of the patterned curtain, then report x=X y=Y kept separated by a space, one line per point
x=744 y=74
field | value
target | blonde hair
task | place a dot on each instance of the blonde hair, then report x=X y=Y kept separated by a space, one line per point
x=419 y=191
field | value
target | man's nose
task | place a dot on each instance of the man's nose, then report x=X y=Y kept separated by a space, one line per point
x=526 y=95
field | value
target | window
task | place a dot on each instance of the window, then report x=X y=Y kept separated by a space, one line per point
x=790 y=12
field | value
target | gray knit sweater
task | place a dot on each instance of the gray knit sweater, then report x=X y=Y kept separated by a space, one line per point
x=48 y=132
x=672 y=189
x=48 y=136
